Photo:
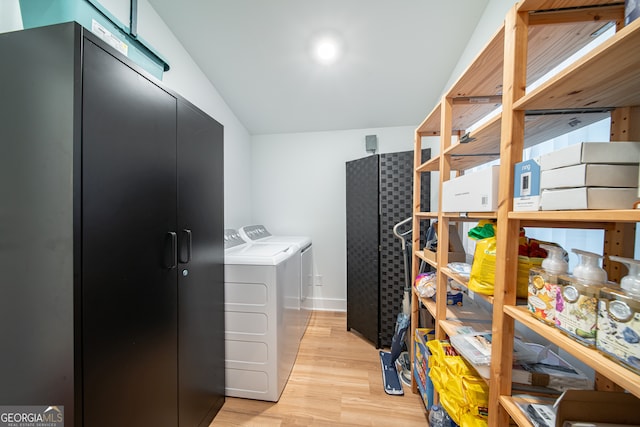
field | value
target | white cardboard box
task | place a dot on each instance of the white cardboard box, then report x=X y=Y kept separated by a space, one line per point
x=475 y=192
x=526 y=186
x=590 y=175
x=588 y=198
x=592 y=152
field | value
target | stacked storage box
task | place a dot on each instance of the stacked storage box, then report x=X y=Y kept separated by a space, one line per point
x=596 y=175
x=421 y=365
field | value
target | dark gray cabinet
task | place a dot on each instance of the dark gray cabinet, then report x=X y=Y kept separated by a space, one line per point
x=111 y=300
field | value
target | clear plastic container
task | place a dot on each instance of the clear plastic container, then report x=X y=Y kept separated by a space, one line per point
x=436 y=417
x=576 y=308
x=619 y=326
x=476 y=348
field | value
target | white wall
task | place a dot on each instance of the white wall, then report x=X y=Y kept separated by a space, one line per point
x=188 y=80
x=487 y=26
x=299 y=179
x=299 y=189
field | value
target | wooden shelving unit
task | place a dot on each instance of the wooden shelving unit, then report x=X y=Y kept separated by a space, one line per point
x=477 y=122
x=620 y=375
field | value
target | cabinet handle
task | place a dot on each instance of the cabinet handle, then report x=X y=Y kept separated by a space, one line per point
x=185 y=246
x=171 y=250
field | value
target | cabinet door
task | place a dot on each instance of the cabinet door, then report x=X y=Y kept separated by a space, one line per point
x=362 y=247
x=129 y=291
x=201 y=266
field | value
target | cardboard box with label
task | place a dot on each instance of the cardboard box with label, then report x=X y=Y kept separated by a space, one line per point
x=526 y=186
x=626 y=152
x=475 y=192
x=590 y=175
x=588 y=198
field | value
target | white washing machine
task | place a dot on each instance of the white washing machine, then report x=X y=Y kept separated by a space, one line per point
x=260 y=234
x=261 y=335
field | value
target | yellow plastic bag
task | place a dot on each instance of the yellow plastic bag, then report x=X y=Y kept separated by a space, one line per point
x=454 y=405
x=483 y=270
x=476 y=395
x=470 y=420
x=482 y=278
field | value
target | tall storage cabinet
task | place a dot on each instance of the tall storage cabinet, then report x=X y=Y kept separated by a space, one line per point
x=379 y=192
x=536 y=37
x=111 y=238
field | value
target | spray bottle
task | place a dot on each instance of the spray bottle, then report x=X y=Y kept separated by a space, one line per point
x=577 y=298
x=543 y=284
x=619 y=317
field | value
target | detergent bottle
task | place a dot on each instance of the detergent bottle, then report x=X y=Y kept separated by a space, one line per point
x=619 y=317
x=543 y=284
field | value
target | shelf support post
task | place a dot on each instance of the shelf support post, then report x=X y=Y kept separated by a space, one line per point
x=446 y=133
x=511 y=146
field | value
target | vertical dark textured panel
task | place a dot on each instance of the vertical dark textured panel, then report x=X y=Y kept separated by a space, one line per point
x=129 y=206
x=392 y=188
x=362 y=247
x=396 y=204
x=201 y=278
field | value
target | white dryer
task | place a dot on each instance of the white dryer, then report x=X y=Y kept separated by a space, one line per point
x=259 y=234
x=261 y=339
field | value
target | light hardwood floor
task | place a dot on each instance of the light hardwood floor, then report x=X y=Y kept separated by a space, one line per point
x=336 y=381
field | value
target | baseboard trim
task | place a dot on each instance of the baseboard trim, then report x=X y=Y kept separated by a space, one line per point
x=328 y=304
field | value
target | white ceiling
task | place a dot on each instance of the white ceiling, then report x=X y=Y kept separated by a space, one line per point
x=398 y=55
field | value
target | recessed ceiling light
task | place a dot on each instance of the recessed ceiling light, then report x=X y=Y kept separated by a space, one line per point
x=326 y=49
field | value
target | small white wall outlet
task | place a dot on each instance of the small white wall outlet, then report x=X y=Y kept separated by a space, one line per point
x=319 y=281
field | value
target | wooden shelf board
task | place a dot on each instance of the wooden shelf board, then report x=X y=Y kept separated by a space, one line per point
x=510 y=405
x=430 y=126
x=483 y=77
x=602 y=364
x=584 y=216
x=451 y=327
x=467 y=115
x=469 y=312
x=485 y=140
x=541 y=128
x=469 y=216
x=531 y=5
x=549 y=45
x=484 y=145
x=431 y=165
x=426 y=215
x=608 y=76
x=463 y=280
x=420 y=254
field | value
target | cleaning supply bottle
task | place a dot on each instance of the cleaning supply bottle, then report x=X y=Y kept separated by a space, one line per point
x=543 y=284
x=577 y=298
x=630 y=282
x=554 y=263
x=619 y=317
x=589 y=271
